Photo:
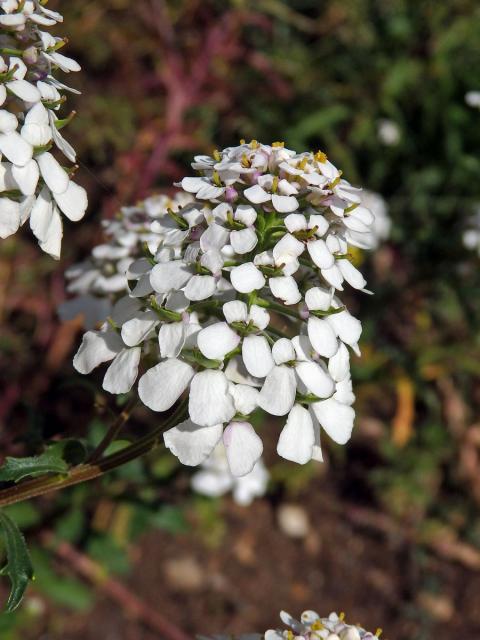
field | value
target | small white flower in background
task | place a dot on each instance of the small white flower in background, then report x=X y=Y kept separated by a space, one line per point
x=263 y=248
x=388 y=132
x=311 y=625
x=215 y=479
x=381 y=227
x=34 y=185
x=472 y=98
x=471 y=236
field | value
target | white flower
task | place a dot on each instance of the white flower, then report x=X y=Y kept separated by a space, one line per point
x=388 y=132
x=120 y=260
x=472 y=98
x=264 y=246
x=33 y=184
x=214 y=479
x=370 y=234
x=311 y=625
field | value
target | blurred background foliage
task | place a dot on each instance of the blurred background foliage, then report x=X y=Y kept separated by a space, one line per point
x=161 y=81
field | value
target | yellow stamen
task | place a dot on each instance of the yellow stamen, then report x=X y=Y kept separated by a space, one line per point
x=341 y=616
x=278 y=144
x=216 y=155
x=317 y=626
x=216 y=179
x=245 y=161
x=254 y=144
x=378 y=632
x=275 y=184
x=303 y=163
x=242 y=141
x=320 y=156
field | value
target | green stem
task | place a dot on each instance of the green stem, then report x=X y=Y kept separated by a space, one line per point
x=113 y=431
x=11 y=52
x=89 y=471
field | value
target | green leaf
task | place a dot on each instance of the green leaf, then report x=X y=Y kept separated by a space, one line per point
x=19 y=566
x=52 y=460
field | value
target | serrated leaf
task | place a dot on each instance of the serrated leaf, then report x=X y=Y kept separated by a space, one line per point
x=19 y=566
x=16 y=469
x=52 y=460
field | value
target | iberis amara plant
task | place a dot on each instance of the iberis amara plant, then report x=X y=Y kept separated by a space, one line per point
x=230 y=303
x=34 y=184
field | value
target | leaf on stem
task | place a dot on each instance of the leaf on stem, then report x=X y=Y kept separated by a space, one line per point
x=19 y=567
x=54 y=459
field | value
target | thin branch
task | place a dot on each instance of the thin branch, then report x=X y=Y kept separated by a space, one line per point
x=113 y=431
x=85 y=472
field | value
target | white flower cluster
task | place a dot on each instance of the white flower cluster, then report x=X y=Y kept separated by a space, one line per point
x=237 y=308
x=214 y=479
x=99 y=281
x=312 y=627
x=33 y=184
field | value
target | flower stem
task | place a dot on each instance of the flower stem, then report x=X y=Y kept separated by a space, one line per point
x=89 y=470
x=113 y=431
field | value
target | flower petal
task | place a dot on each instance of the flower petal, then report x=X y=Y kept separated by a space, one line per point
x=217 y=340
x=161 y=386
x=55 y=176
x=210 y=401
x=339 y=364
x=26 y=177
x=256 y=194
x=171 y=339
x=283 y=351
x=347 y=327
x=278 y=392
x=73 y=201
x=284 y=204
x=246 y=278
x=322 y=336
x=315 y=378
x=9 y=217
x=15 y=149
x=200 y=287
x=244 y=240
x=97 y=347
x=168 y=276
x=140 y=328
x=285 y=288
x=320 y=254
x=192 y=443
x=235 y=311
x=123 y=371
x=243 y=447
x=336 y=418
x=257 y=356
x=297 y=438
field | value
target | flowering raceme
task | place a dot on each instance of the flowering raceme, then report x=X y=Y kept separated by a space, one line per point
x=235 y=307
x=33 y=184
x=311 y=625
